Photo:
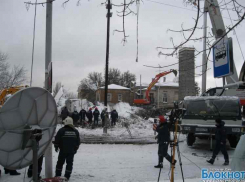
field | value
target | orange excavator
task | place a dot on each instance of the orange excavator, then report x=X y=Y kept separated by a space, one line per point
x=154 y=81
x=7 y=91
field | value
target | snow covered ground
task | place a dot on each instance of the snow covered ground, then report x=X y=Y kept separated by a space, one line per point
x=133 y=163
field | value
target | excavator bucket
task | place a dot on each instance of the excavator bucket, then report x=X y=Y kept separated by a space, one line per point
x=175 y=72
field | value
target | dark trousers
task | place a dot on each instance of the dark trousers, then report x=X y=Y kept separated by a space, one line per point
x=82 y=122
x=40 y=163
x=96 y=121
x=221 y=148
x=103 y=122
x=68 y=158
x=113 y=122
x=163 y=152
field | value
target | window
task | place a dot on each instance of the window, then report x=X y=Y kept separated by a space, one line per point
x=165 y=97
x=109 y=97
x=119 y=97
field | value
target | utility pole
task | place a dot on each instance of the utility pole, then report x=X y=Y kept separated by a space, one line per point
x=48 y=58
x=204 y=56
x=109 y=15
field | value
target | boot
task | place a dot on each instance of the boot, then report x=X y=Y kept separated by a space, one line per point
x=29 y=174
x=159 y=165
x=226 y=163
x=14 y=173
x=211 y=161
x=6 y=171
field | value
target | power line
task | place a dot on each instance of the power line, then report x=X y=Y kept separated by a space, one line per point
x=235 y=33
x=170 y=5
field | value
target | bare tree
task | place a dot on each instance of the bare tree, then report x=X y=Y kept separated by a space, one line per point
x=114 y=75
x=10 y=77
x=87 y=90
x=57 y=87
x=127 y=78
x=71 y=95
x=96 y=78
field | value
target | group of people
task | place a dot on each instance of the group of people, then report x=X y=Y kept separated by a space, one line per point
x=92 y=116
x=163 y=140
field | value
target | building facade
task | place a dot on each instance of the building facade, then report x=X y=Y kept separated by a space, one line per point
x=116 y=94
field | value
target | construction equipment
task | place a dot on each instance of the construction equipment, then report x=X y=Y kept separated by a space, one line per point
x=5 y=92
x=154 y=81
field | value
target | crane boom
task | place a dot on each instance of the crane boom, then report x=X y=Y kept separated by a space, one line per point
x=218 y=29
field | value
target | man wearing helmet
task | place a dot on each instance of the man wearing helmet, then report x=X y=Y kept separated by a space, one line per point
x=163 y=139
x=68 y=141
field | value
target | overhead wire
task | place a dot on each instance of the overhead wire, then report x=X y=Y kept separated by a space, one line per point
x=235 y=32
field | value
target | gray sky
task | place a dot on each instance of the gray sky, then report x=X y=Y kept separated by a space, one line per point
x=79 y=39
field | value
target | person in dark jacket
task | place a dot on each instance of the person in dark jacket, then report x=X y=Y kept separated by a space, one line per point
x=114 y=117
x=220 y=137
x=64 y=113
x=102 y=115
x=67 y=141
x=89 y=115
x=163 y=139
x=82 y=115
x=75 y=117
x=96 y=114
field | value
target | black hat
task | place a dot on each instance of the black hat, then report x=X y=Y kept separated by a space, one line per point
x=218 y=120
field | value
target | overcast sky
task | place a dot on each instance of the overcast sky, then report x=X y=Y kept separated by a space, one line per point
x=79 y=39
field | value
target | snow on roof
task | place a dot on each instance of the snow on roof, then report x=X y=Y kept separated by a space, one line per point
x=167 y=84
x=211 y=98
x=116 y=87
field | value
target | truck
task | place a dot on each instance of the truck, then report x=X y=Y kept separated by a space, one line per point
x=199 y=114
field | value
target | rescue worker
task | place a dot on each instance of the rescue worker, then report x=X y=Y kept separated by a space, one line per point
x=67 y=141
x=96 y=114
x=102 y=115
x=82 y=115
x=163 y=139
x=89 y=115
x=114 y=117
x=64 y=113
x=75 y=117
x=220 y=137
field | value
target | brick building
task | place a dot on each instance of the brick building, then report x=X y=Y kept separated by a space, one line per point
x=116 y=94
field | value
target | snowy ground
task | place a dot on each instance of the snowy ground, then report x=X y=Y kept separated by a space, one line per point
x=133 y=163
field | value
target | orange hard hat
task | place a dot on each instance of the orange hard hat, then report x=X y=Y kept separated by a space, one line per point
x=162 y=119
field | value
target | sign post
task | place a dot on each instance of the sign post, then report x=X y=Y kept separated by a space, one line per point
x=223 y=58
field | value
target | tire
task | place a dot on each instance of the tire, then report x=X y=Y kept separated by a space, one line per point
x=233 y=140
x=191 y=139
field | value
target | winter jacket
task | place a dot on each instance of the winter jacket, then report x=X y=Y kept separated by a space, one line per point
x=163 y=133
x=102 y=115
x=96 y=114
x=89 y=115
x=114 y=115
x=220 y=133
x=82 y=114
x=75 y=116
x=67 y=139
x=64 y=113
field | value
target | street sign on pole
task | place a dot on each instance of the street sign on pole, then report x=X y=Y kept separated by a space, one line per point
x=223 y=58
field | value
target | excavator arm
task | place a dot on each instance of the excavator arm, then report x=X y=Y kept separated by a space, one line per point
x=7 y=91
x=154 y=81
